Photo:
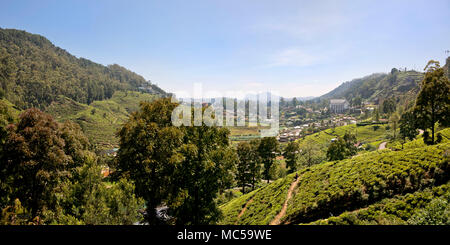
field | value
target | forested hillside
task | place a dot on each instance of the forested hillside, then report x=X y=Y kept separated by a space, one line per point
x=379 y=86
x=100 y=119
x=329 y=189
x=34 y=73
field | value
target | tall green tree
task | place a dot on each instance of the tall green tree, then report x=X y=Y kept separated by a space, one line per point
x=255 y=163
x=350 y=142
x=290 y=154
x=49 y=176
x=408 y=128
x=394 y=120
x=182 y=167
x=337 y=150
x=243 y=174
x=433 y=101
x=342 y=148
x=267 y=149
x=197 y=180
x=310 y=153
x=87 y=199
x=38 y=155
x=150 y=149
x=388 y=106
x=229 y=160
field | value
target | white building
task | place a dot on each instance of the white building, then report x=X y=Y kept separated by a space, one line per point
x=338 y=106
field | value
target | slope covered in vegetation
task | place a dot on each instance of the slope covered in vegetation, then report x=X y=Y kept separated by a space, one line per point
x=379 y=86
x=406 y=209
x=332 y=188
x=364 y=134
x=34 y=73
x=262 y=205
x=101 y=119
x=417 y=143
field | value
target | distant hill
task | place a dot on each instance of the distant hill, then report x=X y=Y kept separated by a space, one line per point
x=34 y=73
x=379 y=86
x=299 y=98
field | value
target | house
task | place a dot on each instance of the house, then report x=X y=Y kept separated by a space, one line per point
x=338 y=106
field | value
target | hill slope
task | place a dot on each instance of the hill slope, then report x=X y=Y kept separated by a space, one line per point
x=34 y=73
x=100 y=119
x=332 y=188
x=406 y=209
x=379 y=86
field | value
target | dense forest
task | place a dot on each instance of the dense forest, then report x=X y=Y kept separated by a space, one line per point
x=34 y=72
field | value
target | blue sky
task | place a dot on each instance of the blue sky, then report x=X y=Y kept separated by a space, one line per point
x=298 y=48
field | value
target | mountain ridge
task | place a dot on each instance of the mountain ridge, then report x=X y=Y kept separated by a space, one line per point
x=34 y=72
x=379 y=86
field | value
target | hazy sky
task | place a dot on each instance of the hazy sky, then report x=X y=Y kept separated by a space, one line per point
x=299 y=48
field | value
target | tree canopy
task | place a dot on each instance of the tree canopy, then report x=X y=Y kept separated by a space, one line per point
x=48 y=175
x=181 y=167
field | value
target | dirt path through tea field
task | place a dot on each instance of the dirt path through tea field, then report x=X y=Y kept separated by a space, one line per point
x=243 y=210
x=276 y=220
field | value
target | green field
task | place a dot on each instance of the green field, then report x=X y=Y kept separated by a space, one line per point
x=364 y=134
